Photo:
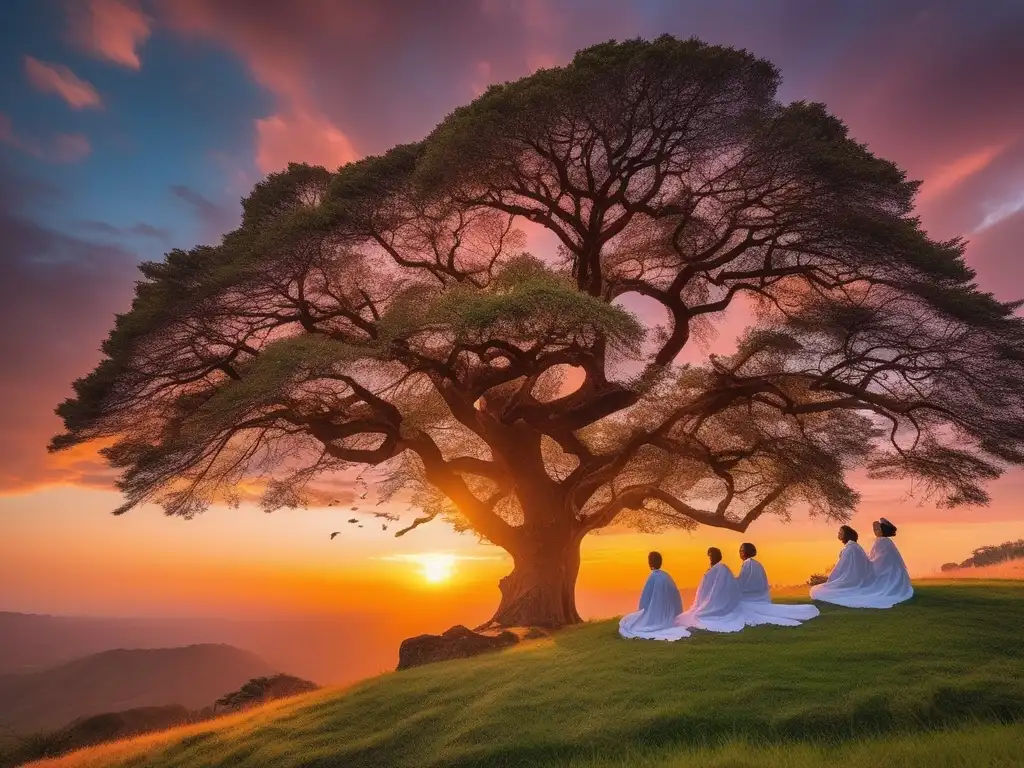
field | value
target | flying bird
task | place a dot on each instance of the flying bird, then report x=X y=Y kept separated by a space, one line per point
x=335 y=534
x=384 y=526
x=353 y=520
x=360 y=526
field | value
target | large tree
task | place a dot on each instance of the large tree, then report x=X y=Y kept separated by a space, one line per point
x=386 y=314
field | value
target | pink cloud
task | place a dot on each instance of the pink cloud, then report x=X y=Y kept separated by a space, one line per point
x=298 y=131
x=58 y=79
x=537 y=61
x=298 y=136
x=112 y=30
x=70 y=148
x=383 y=73
x=7 y=135
x=482 y=77
x=948 y=176
x=61 y=148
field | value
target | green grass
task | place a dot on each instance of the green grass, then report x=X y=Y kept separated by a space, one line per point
x=938 y=681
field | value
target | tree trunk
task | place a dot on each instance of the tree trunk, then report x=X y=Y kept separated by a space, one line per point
x=541 y=590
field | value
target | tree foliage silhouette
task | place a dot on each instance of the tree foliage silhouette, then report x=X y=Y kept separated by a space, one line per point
x=260 y=690
x=991 y=554
x=388 y=314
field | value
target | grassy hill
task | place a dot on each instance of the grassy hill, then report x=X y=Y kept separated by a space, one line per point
x=938 y=682
x=193 y=676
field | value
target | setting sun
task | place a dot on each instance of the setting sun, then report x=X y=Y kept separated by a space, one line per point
x=437 y=568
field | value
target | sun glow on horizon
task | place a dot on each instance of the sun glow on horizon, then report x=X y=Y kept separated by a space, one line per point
x=437 y=568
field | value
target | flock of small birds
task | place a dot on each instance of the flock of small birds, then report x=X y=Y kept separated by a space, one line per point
x=355 y=520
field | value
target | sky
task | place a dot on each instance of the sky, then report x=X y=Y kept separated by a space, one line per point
x=128 y=128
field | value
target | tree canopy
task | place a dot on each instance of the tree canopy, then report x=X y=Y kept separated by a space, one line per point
x=389 y=314
x=260 y=690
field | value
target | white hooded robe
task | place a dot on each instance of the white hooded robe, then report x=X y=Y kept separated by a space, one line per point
x=717 y=605
x=851 y=583
x=757 y=602
x=892 y=581
x=660 y=604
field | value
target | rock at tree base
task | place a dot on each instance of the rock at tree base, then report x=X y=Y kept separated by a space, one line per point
x=458 y=642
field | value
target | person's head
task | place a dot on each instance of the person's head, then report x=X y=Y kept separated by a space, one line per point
x=884 y=529
x=715 y=555
x=654 y=560
x=747 y=551
x=846 y=534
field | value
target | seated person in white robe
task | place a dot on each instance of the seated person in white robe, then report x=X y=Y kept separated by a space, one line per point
x=660 y=604
x=892 y=581
x=717 y=605
x=757 y=599
x=851 y=582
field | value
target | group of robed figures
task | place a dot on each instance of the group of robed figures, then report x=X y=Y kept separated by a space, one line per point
x=725 y=602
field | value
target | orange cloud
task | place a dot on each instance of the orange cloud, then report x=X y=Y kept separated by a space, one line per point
x=28 y=468
x=112 y=30
x=81 y=465
x=950 y=175
x=63 y=148
x=58 y=79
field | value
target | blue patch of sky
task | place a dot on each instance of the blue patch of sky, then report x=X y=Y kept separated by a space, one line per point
x=180 y=120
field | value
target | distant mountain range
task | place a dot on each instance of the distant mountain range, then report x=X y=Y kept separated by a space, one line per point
x=110 y=681
x=30 y=642
x=330 y=650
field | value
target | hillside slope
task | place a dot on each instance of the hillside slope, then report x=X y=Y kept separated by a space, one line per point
x=938 y=681
x=193 y=676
